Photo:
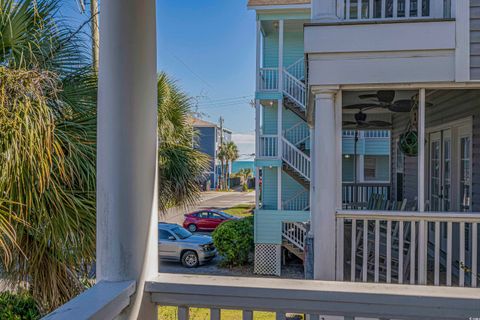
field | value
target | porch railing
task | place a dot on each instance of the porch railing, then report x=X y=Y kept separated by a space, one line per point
x=268 y=146
x=268 y=79
x=396 y=9
x=357 y=193
x=408 y=247
x=317 y=298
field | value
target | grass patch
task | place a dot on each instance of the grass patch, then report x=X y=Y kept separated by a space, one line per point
x=241 y=210
x=170 y=313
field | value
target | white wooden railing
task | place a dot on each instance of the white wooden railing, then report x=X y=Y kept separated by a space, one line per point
x=299 y=202
x=355 y=193
x=297 y=69
x=396 y=9
x=268 y=146
x=295 y=233
x=317 y=298
x=294 y=89
x=298 y=133
x=408 y=247
x=296 y=159
x=268 y=79
x=105 y=300
x=371 y=134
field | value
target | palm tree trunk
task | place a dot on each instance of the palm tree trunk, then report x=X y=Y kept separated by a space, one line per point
x=95 y=34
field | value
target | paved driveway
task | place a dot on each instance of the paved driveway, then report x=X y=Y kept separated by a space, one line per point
x=210 y=200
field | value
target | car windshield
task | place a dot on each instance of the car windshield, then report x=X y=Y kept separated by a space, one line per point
x=181 y=233
x=226 y=215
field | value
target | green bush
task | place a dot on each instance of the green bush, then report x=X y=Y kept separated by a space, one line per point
x=18 y=307
x=234 y=241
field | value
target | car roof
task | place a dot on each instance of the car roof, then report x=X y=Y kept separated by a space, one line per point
x=167 y=226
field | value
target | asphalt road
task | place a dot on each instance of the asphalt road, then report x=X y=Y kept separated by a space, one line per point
x=210 y=200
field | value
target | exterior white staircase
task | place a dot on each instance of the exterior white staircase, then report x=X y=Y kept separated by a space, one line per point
x=293 y=238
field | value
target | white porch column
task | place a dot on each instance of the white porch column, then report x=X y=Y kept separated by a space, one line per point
x=280 y=111
x=422 y=226
x=127 y=149
x=324 y=185
x=258 y=107
x=258 y=54
x=324 y=9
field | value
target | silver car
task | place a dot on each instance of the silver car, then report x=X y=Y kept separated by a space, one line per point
x=177 y=244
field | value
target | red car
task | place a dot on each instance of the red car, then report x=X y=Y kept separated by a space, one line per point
x=205 y=220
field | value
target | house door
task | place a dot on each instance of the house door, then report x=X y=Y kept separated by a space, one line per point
x=440 y=170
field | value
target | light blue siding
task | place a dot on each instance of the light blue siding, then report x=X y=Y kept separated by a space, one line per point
x=348 y=146
x=268 y=224
x=269 y=188
x=300 y=15
x=292 y=48
x=290 y=187
x=377 y=147
x=270 y=119
x=268 y=162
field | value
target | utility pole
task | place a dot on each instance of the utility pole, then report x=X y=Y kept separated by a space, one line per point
x=222 y=170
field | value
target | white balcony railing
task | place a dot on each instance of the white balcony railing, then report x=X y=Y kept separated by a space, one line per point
x=317 y=298
x=268 y=146
x=268 y=79
x=408 y=247
x=396 y=9
x=295 y=89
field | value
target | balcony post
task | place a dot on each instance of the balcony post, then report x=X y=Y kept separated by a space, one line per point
x=258 y=54
x=325 y=9
x=324 y=185
x=257 y=152
x=127 y=150
x=422 y=226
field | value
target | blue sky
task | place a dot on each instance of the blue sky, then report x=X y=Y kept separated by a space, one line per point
x=208 y=47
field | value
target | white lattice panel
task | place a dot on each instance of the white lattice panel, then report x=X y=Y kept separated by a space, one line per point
x=267 y=259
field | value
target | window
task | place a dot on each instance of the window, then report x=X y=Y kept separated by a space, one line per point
x=376 y=168
x=214 y=215
x=203 y=215
x=163 y=234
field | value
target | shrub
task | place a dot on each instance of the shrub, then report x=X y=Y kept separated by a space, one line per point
x=234 y=241
x=18 y=307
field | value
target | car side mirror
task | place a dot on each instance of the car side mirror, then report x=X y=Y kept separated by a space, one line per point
x=171 y=238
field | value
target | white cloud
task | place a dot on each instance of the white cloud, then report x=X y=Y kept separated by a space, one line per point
x=245 y=143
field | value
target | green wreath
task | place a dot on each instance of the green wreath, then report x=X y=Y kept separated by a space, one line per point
x=408 y=143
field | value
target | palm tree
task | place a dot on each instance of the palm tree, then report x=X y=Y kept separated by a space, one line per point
x=181 y=167
x=48 y=151
x=232 y=154
x=222 y=156
x=245 y=174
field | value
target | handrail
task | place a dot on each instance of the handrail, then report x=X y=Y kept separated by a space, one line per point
x=294 y=89
x=268 y=146
x=299 y=202
x=297 y=133
x=105 y=300
x=297 y=160
x=312 y=297
x=295 y=233
x=268 y=79
x=409 y=215
x=297 y=69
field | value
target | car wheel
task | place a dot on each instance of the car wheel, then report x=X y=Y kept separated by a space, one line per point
x=192 y=228
x=190 y=259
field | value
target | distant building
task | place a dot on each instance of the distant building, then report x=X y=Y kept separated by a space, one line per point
x=208 y=141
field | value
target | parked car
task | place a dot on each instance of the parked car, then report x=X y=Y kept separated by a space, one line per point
x=205 y=220
x=178 y=244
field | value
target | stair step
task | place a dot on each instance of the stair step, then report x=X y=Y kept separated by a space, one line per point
x=296 y=176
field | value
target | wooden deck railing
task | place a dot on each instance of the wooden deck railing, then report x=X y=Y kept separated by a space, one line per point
x=408 y=247
x=316 y=298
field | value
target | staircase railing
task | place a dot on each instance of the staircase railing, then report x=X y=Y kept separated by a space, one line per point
x=294 y=89
x=296 y=159
x=297 y=69
x=299 y=202
x=297 y=134
x=268 y=79
x=295 y=233
x=268 y=146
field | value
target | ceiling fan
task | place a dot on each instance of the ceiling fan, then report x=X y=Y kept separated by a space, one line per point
x=362 y=123
x=384 y=99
